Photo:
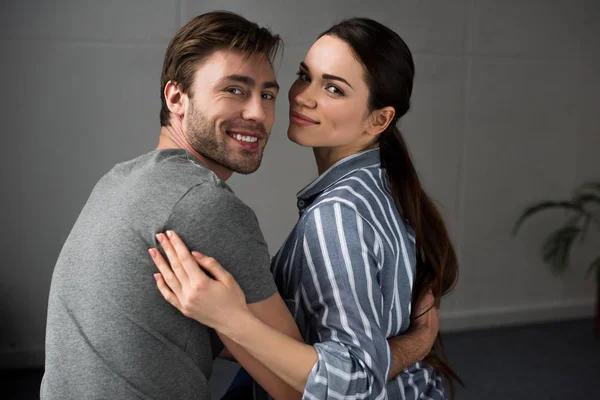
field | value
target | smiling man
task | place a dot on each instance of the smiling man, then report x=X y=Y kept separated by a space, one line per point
x=110 y=334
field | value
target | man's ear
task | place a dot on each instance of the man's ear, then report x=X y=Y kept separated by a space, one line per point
x=380 y=119
x=175 y=98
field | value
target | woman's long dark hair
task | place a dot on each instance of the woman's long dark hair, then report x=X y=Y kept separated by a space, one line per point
x=390 y=71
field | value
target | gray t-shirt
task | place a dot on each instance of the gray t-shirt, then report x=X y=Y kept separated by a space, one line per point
x=110 y=334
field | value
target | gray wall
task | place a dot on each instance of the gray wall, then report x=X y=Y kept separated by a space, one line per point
x=504 y=113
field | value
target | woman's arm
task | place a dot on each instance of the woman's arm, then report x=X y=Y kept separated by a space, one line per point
x=408 y=348
x=177 y=281
x=264 y=376
x=290 y=359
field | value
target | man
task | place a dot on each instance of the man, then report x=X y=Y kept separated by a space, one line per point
x=109 y=332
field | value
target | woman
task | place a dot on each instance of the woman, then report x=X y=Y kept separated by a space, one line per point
x=369 y=241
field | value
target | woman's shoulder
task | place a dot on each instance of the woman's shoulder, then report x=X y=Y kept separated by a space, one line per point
x=365 y=194
x=367 y=181
x=363 y=190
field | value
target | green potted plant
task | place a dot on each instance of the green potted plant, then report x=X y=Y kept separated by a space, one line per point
x=584 y=215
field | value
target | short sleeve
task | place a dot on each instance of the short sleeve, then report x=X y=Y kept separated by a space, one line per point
x=213 y=221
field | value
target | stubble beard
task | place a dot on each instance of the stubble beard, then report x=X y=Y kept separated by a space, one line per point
x=205 y=140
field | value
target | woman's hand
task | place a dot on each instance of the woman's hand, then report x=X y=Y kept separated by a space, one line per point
x=197 y=285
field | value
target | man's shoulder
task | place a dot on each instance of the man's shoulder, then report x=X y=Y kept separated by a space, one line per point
x=171 y=167
x=169 y=174
x=212 y=204
x=214 y=195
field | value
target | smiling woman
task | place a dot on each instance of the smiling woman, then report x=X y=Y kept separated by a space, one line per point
x=328 y=109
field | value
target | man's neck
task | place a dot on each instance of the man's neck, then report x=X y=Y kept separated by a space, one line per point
x=173 y=138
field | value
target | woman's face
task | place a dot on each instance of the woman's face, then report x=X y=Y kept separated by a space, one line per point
x=329 y=100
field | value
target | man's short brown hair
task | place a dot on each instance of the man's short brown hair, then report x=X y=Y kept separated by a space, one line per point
x=202 y=36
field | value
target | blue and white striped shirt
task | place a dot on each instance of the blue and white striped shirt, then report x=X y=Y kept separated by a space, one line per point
x=346 y=273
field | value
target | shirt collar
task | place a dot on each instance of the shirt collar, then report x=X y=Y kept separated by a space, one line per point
x=338 y=171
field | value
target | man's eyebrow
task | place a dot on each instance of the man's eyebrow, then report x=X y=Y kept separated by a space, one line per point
x=241 y=79
x=271 y=85
x=327 y=76
x=250 y=82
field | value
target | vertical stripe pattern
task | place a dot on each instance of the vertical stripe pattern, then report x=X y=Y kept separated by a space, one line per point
x=346 y=271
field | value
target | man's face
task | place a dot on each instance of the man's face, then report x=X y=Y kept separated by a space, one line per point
x=231 y=110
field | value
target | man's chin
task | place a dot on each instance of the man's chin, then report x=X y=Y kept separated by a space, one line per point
x=247 y=166
x=245 y=170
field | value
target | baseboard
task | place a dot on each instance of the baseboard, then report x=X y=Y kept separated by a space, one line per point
x=463 y=320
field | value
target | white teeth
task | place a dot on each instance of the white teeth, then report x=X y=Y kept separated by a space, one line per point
x=249 y=139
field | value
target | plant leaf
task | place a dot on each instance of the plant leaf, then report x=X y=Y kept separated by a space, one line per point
x=582 y=198
x=557 y=247
x=589 y=186
x=585 y=226
x=594 y=265
x=545 y=205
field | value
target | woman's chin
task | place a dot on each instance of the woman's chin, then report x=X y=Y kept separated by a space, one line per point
x=297 y=138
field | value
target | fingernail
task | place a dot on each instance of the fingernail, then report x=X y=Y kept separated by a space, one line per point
x=198 y=255
x=152 y=252
x=155 y=277
x=159 y=238
x=170 y=234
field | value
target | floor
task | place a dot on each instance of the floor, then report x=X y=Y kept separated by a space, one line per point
x=544 y=361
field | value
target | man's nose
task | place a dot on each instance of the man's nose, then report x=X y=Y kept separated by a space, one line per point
x=254 y=109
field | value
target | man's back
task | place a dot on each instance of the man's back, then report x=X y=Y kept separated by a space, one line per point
x=110 y=334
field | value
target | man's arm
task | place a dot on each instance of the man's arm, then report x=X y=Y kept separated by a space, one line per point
x=417 y=342
x=212 y=220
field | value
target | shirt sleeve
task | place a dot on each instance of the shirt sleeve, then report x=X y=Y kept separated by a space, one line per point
x=341 y=292
x=212 y=220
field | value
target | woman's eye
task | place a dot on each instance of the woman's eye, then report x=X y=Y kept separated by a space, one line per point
x=303 y=76
x=334 y=90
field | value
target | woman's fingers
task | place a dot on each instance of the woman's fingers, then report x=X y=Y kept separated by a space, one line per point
x=189 y=264
x=210 y=294
x=169 y=278
x=212 y=266
x=173 y=257
x=166 y=291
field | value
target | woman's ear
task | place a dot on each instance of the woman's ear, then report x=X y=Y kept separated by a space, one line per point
x=380 y=120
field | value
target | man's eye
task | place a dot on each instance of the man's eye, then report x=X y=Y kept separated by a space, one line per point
x=268 y=96
x=235 y=91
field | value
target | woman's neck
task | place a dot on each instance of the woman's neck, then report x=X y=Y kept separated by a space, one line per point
x=326 y=157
